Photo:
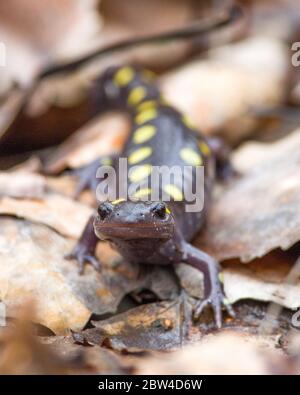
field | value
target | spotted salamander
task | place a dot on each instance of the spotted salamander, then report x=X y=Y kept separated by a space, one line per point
x=142 y=230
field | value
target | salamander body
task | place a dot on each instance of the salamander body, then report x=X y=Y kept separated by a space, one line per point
x=143 y=229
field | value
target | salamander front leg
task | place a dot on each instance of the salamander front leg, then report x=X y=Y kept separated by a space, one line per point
x=213 y=287
x=84 y=250
x=87 y=174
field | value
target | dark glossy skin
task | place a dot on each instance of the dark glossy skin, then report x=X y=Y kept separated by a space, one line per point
x=154 y=232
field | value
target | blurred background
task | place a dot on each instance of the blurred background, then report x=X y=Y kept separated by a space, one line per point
x=248 y=61
x=237 y=82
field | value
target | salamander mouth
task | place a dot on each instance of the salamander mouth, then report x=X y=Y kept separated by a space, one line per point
x=133 y=231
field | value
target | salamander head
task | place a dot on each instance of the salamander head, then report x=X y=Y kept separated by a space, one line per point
x=133 y=220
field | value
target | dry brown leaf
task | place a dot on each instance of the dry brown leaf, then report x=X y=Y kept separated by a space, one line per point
x=259 y=211
x=155 y=326
x=262 y=280
x=66 y=185
x=220 y=93
x=136 y=19
x=22 y=353
x=20 y=184
x=254 y=154
x=31 y=42
x=99 y=137
x=26 y=28
x=10 y=108
x=103 y=292
x=31 y=257
x=33 y=268
x=247 y=356
x=85 y=360
x=123 y=21
x=63 y=214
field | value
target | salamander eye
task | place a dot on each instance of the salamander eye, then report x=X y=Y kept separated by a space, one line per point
x=105 y=209
x=159 y=209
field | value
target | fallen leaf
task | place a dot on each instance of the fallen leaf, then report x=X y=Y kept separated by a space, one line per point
x=154 y=326
x=210 y=356
x=27 y=30
x=265 y=213
x=20 y=184
x=85 y=360
x=10 y=108
x=220 y=93
x=22 y=353
x=103 y=292
x=31 y=259
x=263 y=279
x=102 y=136
x=32 y=255
x=63 y=214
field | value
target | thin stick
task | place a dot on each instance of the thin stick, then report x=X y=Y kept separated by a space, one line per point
x=219 y=20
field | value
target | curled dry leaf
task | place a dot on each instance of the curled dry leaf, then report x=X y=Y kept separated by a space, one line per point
x=63 y=214
x=85 y=360
x=22 y=353
x=10 y=108
x=220 y=93
x=265 y=214
x=31 y=43
x=20 y=184
x=123 y=21
x=135 y=19
x=102 y=292
x=100 y=137
x=264 y=279
x=155 y=326
x=210 y=356
x=26 y=29
x=33 y=268
x=30 y=258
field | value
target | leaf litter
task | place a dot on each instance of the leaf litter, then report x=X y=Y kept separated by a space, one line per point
x=40 y=221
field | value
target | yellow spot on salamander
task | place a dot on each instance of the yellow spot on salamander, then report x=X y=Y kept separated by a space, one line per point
x=105 y=161
x=146 y=116
x=139 y=155
x=191 y=157
x=118 y=201
x=136 y=95
x=142 y=193
x=164 y=101
x=140 y=172
x=144 y=133
x=146 y=105
x=174 y=192
x=124 y=76
x=187 y=121
x=168 y=210
x=221 y=277
x=204 y=148
x=150 y=75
